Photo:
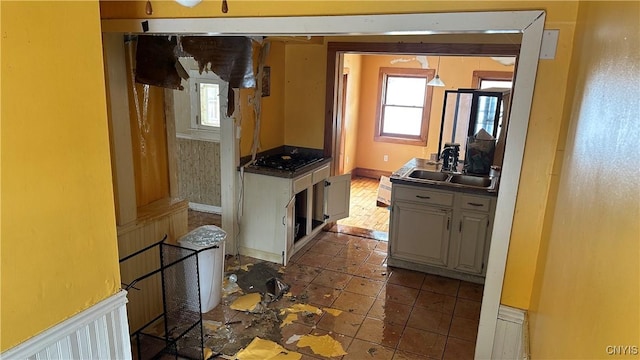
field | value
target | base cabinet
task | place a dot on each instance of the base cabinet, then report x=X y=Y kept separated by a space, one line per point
x=426 y=230
x=439 y=231
x=280 y=215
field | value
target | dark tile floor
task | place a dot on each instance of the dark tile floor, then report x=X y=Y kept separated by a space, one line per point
x=387 y=313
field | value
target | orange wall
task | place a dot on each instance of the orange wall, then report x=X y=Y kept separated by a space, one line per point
x=58 y=249
x=586 y=294
x=544 y=125
x=352 y=65
x=455 y=71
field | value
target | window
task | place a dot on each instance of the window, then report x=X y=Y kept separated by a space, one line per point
x=404 y=106
x=200 y=108
x=486 y=104
x=209 y=105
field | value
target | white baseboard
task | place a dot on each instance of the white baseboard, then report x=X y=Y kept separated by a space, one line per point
x=205 y=208
x=511 y=339
x=100 y=332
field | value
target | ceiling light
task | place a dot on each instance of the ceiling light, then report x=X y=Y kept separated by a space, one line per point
x=188 y=3
x=436 y=81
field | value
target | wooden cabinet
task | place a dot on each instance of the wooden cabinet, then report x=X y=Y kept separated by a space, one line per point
x=280 y=215
x=439 y=231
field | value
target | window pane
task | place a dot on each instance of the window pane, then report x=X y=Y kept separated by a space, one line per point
x=406 y=91
x=209 y=105
x=504 y=84
x=486 y=114
x=402 y=120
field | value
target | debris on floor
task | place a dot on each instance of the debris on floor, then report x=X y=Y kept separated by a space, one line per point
x=262 y=308
x=323 y=345
x=248 y=302
x=260 y=349
x=334 y=312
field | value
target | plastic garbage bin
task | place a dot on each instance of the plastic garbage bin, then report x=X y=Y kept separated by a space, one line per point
x=210 y=265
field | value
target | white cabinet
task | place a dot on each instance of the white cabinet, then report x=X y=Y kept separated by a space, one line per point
x=280 y=215
x=425 y=230
x=440 y=231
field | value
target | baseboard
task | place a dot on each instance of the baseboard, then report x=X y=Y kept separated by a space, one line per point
x=206 y=208
x=371 y=173
x=511 y=339
x=102 y=331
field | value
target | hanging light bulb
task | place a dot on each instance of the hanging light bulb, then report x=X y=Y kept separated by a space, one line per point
x=436 y=81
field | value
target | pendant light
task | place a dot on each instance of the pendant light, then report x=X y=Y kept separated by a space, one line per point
x=436 y=80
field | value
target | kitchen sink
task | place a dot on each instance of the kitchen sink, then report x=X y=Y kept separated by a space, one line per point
x=477 y=181
x=428 y=175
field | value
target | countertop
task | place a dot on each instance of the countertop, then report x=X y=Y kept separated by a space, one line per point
x=284 y=173
x=400 y=177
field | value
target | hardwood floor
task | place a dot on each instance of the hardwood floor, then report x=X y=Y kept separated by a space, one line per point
x=363 y=210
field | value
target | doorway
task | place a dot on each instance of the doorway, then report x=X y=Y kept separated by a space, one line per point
x=529 y=24
x=371 y=158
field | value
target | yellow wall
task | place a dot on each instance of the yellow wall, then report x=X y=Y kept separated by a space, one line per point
x=59 y=252
x=304 y=95
x=148 y=137
x=546 y=115
x=587 y=285
x=455 y=71
x=272 y=119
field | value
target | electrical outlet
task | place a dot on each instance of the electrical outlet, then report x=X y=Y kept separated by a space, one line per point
x=385 y=158
x=347 y=159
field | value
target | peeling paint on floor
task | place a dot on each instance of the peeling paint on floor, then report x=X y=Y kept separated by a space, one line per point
x=323 y=345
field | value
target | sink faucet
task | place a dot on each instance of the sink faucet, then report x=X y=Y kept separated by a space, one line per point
x=449 y=157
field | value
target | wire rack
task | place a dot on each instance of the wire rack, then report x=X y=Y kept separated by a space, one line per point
x=177 y=332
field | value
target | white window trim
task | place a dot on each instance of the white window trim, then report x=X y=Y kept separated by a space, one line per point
x=190 y=128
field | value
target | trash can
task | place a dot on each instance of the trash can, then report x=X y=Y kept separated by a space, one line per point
x=210 y=265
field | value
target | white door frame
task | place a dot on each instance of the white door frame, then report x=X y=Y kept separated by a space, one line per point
x=529 y=23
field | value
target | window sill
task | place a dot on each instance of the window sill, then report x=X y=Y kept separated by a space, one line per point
x=202 y=135
x=400 y=140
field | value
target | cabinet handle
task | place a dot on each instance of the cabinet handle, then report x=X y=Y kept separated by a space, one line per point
x=474 y=204
x=448 y=221
x=423 y=197
x=460 y=227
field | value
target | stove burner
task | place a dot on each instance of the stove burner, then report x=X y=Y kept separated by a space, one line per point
x=287 y=162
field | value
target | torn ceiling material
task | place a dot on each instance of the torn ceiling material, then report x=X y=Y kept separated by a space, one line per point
x=230 y=57
x=156 y=62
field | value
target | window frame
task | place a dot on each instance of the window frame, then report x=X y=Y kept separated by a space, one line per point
x=420 y=139
x=479 y=75
x=189 y=127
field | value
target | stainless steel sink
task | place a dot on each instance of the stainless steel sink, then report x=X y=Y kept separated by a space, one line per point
x=476 y=181
x=428 y=175
x=454 y=180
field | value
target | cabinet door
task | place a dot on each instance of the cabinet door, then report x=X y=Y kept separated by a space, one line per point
x=420 y=233
x=336 y=197
x=288 y=222
x=468 y=246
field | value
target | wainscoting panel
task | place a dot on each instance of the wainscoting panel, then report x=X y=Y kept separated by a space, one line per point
x=162 y=218
x=199 y=171
x=100 y=332
x=511 y=340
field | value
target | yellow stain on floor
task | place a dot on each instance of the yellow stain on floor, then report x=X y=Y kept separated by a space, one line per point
x=323 y=345
x=260 y=349
x=246 y=302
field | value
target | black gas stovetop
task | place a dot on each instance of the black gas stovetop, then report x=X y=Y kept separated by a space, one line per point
x=287 y=162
